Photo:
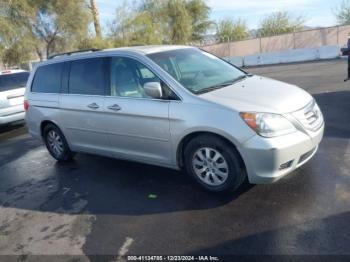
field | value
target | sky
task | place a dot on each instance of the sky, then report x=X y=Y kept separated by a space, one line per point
x=316 y=12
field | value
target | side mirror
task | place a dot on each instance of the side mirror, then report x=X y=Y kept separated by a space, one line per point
x=153 y=89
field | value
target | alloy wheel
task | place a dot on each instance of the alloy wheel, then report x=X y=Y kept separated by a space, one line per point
x=210 y=166
x=55 y=143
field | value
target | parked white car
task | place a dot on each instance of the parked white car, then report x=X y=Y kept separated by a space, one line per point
x=12 y=87
x=173 y=106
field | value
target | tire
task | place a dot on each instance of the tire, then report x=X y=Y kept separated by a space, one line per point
x=222 y=171
x=57 y=144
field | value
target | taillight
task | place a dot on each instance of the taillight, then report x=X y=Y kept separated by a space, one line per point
x=26 y=105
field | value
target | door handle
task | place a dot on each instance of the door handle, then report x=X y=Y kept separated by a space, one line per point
x=114 y=107
x=93 y=106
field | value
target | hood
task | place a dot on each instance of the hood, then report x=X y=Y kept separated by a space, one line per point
x=260 y=94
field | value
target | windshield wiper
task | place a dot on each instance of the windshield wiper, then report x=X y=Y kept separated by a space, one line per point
x=227 y=83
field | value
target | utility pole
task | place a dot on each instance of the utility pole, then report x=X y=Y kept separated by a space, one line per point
x=260 y=45
x=338 y=35
x=294 y=39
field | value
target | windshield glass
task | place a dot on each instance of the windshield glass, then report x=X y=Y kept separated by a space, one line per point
x=197 y=70
x=13 y=81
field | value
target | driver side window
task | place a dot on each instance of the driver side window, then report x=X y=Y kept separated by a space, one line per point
x=128 y=77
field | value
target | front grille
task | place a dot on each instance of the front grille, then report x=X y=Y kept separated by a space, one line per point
x=306 y=155
x=310 y=116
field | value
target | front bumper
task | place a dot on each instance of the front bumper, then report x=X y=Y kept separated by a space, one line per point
x=269 y=159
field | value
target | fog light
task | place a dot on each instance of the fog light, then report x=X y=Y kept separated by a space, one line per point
x=286 y=165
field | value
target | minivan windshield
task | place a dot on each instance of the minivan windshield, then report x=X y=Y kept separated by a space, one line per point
x=196 y=70
x=13 y=81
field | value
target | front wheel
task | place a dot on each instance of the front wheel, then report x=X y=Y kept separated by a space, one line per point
x=214 y=164
x=56 y=143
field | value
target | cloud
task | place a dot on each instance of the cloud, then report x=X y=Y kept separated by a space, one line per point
x=218 y=5
x=325 y=20
x=317 y=12
x=107 y=9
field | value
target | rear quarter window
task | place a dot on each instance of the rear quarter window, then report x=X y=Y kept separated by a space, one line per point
x=47 y=79
x=13 y=81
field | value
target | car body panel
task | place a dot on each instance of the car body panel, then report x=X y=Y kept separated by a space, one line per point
x=11 y=101
x=43 y=107
x=152 y=131
x=254 y=94
x=140 y=129
x=84 y=127
x=264 y=157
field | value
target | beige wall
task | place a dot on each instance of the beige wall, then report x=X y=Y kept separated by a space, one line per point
x=304 y=39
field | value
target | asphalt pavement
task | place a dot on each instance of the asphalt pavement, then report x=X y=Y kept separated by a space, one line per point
x=102 y=206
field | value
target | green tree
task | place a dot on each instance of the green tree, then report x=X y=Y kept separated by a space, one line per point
x=157 y=12
x=51 y=26
x=144 y=30
x=142 y=24
x=15 y=41
x=160 y=21
x=92 y=41
x=179 y=22
x=280 y=23
x=15 y=55
x=342 y=12
x=119 y=28
x=199 y=12
x=231 y=30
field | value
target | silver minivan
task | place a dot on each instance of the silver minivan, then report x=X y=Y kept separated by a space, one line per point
x=173 y=106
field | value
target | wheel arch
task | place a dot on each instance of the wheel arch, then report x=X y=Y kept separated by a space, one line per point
x=188 y=137
x=44 y=123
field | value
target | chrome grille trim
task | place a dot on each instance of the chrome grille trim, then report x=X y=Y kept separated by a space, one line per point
x=310 y=117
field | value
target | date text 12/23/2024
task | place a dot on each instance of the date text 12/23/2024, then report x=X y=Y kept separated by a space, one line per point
x=173 y=258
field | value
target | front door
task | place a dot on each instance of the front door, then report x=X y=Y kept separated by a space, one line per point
x=138 y=125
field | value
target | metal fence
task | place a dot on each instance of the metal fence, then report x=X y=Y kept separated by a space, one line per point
x=336 y=35
x=314 y=38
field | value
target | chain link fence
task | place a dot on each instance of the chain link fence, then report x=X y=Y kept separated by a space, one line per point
x=314 y=38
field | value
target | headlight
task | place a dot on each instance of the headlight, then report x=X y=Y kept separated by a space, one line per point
x=268 y=125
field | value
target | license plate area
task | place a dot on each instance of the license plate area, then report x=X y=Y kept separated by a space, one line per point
x=15 y=101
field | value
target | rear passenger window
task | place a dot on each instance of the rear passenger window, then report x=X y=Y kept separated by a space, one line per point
x=87 y=77
x=47 y=79
x=13 y=81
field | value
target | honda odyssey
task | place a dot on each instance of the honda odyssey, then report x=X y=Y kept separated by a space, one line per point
x=173 y=106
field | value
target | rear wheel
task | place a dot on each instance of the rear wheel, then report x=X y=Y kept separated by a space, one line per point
x=56 y=143
x=214 y=164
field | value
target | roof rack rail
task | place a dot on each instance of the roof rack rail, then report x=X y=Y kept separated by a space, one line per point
x=74 y=52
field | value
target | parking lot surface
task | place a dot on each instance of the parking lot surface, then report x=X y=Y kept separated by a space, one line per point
x=101 y=206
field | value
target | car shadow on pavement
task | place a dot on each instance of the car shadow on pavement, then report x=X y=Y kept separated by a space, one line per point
x=112 y=186
x=335 y=107
x=12 y=130
x=100 y=185
x=11 y=151
x=321 y=236
x=11 y=127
